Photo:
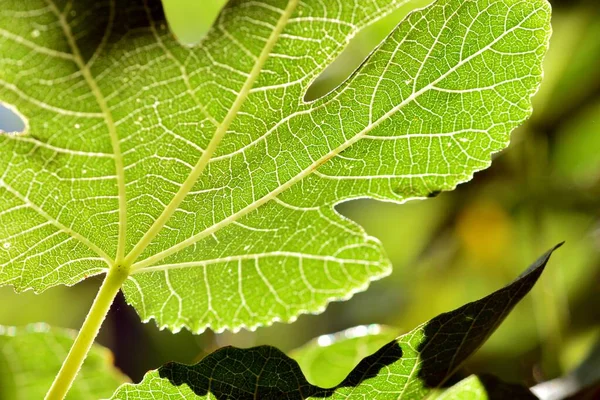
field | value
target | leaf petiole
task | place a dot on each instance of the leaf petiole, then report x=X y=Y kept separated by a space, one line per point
x=115 y=277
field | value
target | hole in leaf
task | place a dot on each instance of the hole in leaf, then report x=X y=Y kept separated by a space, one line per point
x=11 y=121
x=357 y=51
x=190 y=21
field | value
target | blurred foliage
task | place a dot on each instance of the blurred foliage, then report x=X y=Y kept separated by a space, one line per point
x=583 y=382
x=449 y=250
x=31 y=355
x=328 y=359
x=190 y=20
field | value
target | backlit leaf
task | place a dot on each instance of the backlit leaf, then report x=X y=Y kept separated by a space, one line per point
x=204 y=172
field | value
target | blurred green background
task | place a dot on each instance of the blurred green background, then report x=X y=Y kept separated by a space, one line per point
x=448 y=250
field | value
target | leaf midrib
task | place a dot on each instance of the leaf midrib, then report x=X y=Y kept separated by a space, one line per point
x=316 y=164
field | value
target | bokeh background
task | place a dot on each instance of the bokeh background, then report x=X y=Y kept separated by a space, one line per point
x=446 y=251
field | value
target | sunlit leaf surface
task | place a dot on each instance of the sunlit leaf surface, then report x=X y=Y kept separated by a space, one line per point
x=202 y=169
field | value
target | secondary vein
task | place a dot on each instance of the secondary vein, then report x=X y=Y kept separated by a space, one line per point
x=112 y=130
x=82 y=239
x=220 y=132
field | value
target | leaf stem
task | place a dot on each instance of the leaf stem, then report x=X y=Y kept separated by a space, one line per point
x=72 y=364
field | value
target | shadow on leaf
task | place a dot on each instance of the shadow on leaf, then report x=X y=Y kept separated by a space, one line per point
x=242 y=373
x=410 y=366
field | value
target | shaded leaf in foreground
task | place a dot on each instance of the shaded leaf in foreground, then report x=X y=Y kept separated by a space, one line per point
x=411 y=366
